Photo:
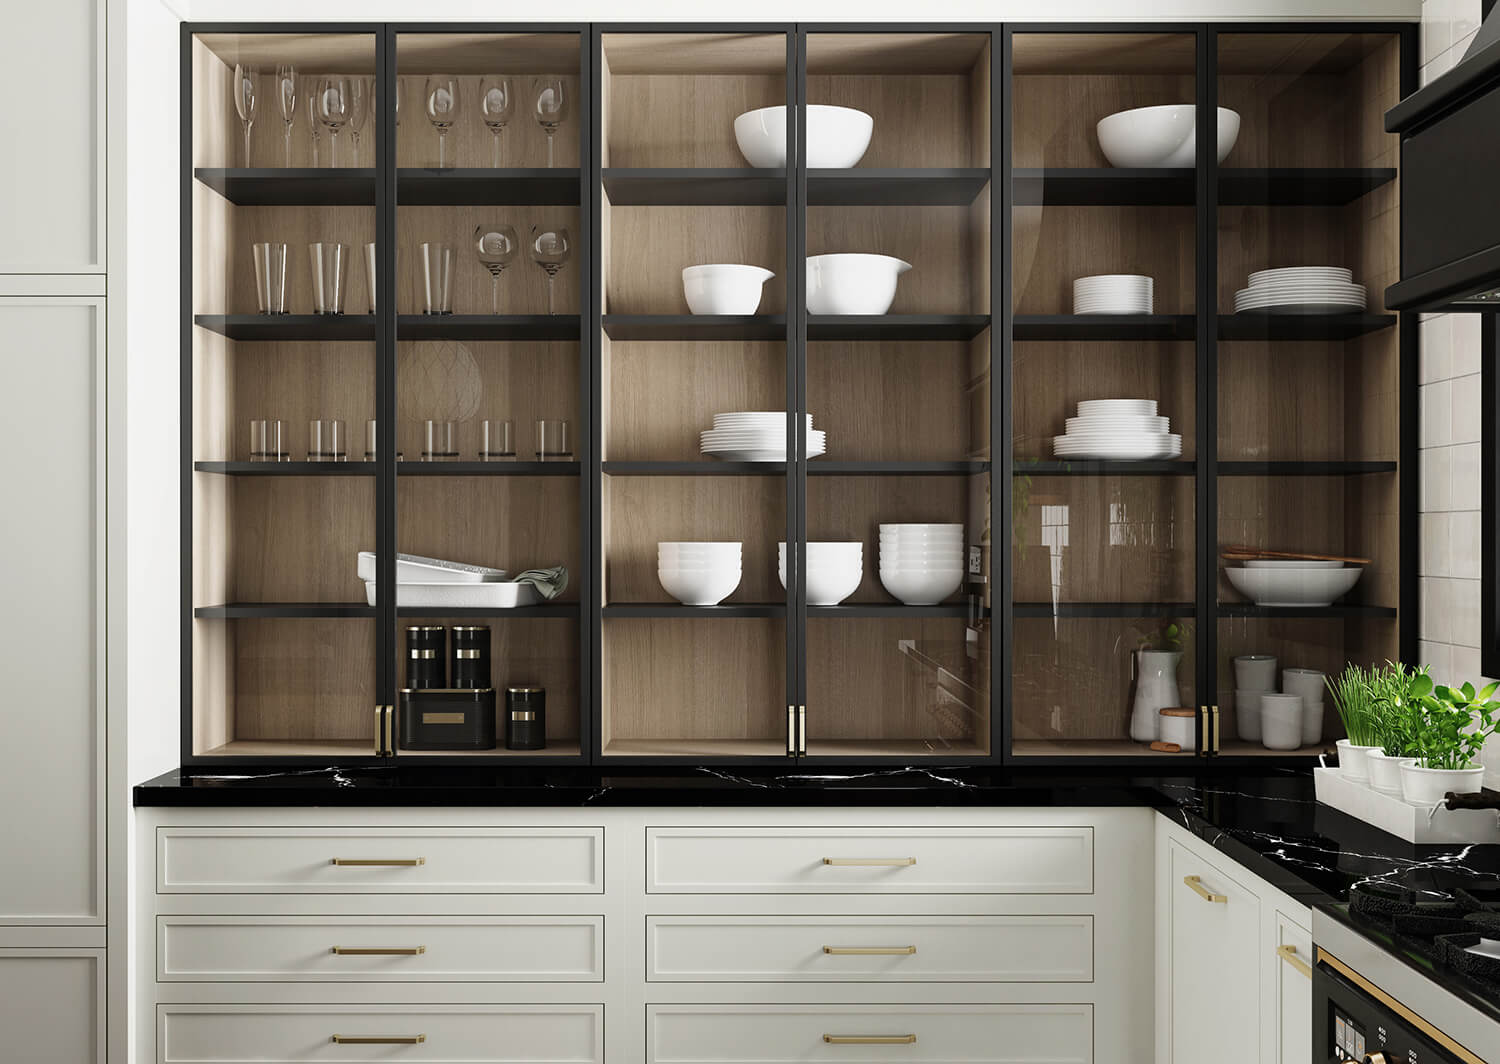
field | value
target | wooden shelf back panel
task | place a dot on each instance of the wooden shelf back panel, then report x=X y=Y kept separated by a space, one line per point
x=489 y=53
x=295 y=539
x=326 y=52
x=687 y=120
x=649 y=246
x=641 y=512
x=941 y=243
x=1103 y=539
x=1053 y=246
x=523 y=285
x=470 y=143
x=513 y=523
x=1311 y=53
x=224 y=277
x=296 y=382
x=695 y=53
x=1130 y=52
x=894 y=53
x=1055 y=114
x=920 y=119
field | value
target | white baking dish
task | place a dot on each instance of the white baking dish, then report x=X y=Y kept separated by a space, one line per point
x=415 y=569
x=499 y=595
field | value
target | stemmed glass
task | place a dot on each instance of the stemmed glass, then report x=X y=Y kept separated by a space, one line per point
x=495 y=104
x=550 y=249
x=552 y=100
x=334 y=105
x=359 y=109
x=442 y=110
x=286 y=103
x=496 y=246
x=246 y=100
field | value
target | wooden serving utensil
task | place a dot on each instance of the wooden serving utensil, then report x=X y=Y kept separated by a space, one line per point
x=1238 y=553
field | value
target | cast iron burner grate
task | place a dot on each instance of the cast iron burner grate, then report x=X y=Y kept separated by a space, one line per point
x=1443 y=932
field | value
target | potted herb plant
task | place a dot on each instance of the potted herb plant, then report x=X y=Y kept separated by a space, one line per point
x=1396 y=703
x=1448 y=735
x=1352 y=699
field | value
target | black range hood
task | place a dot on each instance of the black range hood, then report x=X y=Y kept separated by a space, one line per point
x=1450 y=184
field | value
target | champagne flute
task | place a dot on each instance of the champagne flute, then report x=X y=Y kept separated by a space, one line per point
x=550 y=249
x=246 y=100
x=495 y=104
x=286 y=103
x=333 y=110
x=552 y=101
x=359 y=109
x=310 y=90
x=442 y=110
x=495 y=245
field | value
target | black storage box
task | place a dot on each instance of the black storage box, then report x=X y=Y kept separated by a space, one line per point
x=448 y=719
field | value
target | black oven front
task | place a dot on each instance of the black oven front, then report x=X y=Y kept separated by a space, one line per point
x=1354 y=1020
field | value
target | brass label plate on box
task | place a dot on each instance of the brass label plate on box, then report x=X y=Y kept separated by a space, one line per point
x=443 y=718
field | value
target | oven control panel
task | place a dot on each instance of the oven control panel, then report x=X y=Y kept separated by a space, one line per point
x=1349 y=1042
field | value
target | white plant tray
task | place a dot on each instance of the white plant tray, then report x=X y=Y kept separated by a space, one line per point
x=1391 y=813
x=415 y=569
x=499 y=595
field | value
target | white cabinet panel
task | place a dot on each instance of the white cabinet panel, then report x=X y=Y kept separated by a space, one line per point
x=52 y=1006
x=1294 y=1007
x=51 y=637
x=435 y=1034
x=1010 y=949
x=52 y=188
x=380 y=949
x=351 y=860
x=770 y=1034
x=1019 y=860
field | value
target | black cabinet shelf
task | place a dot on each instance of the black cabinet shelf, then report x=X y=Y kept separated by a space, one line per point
x=1289 y=186
x=1096 y=467
x=693 y=187
x=896 y=187
x=296 y=610
x=295 y=187
x=1337 y=610
x=1238 y=186
x=486 y=469
x=292 y=468
x=892 y=610
x=1103 y=610
x=675 y=609
x=1303 y=469
x=487 y=327
x=1103 y=327
x=561 y=610
x=1253 y=326
x=896 y=326
x=420 y=187
x=695 y=326
x=817 y=467
x=691 y=468
x=287 y=327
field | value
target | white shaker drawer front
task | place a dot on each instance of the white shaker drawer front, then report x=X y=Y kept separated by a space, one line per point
x=1005 y=949
x=379 y=860
x=1021 y=860
x=358 y=949
x=771 y=1034
x=362 y=1034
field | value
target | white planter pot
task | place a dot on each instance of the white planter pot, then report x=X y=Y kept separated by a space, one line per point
x=1353 y=764
x=1428 y=786
x=1155 y=690
x=1385 y=771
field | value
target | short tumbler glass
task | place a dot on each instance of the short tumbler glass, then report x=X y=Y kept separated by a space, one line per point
x=497 y=440
x=326 y=441
x=440 y=441
x=554 y=441
x=268 y=440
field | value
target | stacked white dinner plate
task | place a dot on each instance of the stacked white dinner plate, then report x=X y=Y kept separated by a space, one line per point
x=834 y=571
x=1118 y=430
x=699 y=574
x=921 y=564
x=1114 y=293
x=1301 y=290
x=755 y=436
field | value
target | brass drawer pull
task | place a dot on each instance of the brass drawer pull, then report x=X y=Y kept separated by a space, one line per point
x=870 y=862
x=395 y=951
x=361 y=1040
x=870 y=1039
x=1195 y=883
x=1289 y=954
x=378 y=862
x=870 y=951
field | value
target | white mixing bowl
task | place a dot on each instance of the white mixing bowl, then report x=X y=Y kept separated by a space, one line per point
x=1152 y=137
x=852 y=283
x=724 y=288
x=836 y=136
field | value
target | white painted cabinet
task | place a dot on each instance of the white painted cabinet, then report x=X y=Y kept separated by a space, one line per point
x=52 y=1006
x=1232 y=955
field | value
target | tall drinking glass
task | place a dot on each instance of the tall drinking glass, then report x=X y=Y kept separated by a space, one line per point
x=270 y=277
x=329 y=270
x=437 y=278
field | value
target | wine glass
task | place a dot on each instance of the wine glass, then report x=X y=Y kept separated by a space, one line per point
x=550 y=249
x=334 y=105
x=442 y=110
x=496 y=245
x=495 y=103
x=552 y=100
x=246 y=99
x=311 y=92
x=359 y=110
x=286 y=103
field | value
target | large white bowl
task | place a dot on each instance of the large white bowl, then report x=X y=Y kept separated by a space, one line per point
x=724 y=288
x=852 y=283
x=828 y=586
x=706 y=587
x=1289 y=563
x=836 y=136
x=1150 y=137
x=1293 y=587
x=921 y=588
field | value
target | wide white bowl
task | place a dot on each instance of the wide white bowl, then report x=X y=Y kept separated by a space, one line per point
x=828 y=586
x=706 y=587
x=724 y=288
x=1293 y=587
x=1150 y=137
x=1291 y=563
x=921 y=588
x=836 y=136
x=832 y=550
x=852 y=283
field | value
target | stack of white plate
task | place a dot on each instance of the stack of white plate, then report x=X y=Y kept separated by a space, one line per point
x=1278 y=582
x=834 y=571
x=755 y=436
x=1114 y=293
x=921 y=564
x=1301 y=290
x=698 y=574
x=1119 y=430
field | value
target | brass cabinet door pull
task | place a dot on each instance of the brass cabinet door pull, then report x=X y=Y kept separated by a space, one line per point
x=870 y=1039
x=870 y=862
x=378 y=862
x=1195 y=883
x=395 y=1040
x=1289 y=954
x=870 y=951
x=394 y=951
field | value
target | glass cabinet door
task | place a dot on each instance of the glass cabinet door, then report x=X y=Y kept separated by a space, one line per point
x=491 y=385
x=281 y=367
x=1103 y=418
x=1309 y=415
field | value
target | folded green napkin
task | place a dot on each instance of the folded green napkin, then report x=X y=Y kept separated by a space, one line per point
x=549 y=583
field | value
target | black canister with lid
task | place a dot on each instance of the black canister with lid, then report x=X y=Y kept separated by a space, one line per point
x=471 y=656
x=426 y=657
x=525 y=718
